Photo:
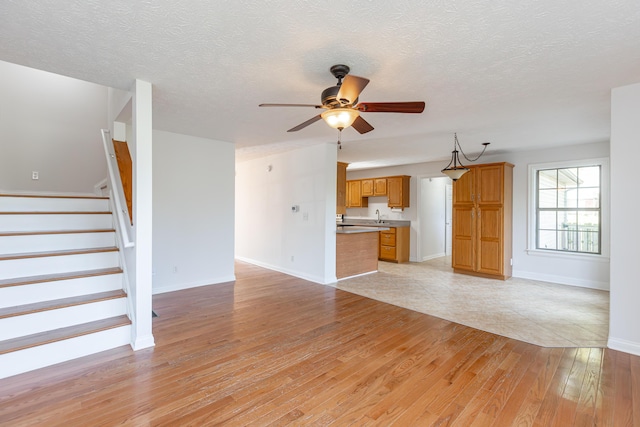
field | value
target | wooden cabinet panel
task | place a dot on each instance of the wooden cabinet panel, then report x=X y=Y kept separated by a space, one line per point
x=464 y=188
x=463 y=238
x=366 y=186
x=482 y=201
x=341 y=190
x=490 y=184
x=354 y=195
x=387 y=239
x=380 y=187
x=490 y=240
x=394 y=244
x=388 y=253
x=398 y=191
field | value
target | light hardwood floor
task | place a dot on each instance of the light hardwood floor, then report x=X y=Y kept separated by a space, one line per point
x=271 y=349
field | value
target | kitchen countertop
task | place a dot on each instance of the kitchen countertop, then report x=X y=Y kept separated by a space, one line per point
x=351 y=229
x=374 y=223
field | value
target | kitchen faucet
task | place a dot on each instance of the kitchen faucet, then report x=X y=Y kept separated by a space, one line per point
x=378 y=213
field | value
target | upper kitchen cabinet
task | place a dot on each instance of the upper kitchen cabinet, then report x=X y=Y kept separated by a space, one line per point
x=398 y=191
x=373 y=187
x=341 y=190
x=354 y=195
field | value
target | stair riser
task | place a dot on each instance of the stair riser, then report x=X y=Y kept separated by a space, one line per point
x=50 y=354
x=55 y=242
x=17 y=326
x=39 y=292
x=15 y=268
x=54 y=222
x=48 y=204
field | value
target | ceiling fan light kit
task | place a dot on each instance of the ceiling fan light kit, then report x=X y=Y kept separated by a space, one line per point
x=340 y=118
x=455 y=169
x=341 y=105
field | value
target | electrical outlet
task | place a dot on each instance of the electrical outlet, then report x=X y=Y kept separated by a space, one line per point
x=35 y=175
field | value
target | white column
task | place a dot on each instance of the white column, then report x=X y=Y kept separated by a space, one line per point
x=624 y=321
x=142 y=213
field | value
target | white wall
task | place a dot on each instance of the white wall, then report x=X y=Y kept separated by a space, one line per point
x=50 y=124
x=193 y=211
x=579 y=271
x=624 y=330
x=268 y=233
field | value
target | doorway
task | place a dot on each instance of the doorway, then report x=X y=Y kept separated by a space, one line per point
x=434 y=216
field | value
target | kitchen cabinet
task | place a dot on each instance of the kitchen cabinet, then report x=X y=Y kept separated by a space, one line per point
x=354 y=195
x=398 y=191
x=341 y=190
x=394 y=244
x=374 y=187
x=380 y=187
x=366 y=186
x=482 y=221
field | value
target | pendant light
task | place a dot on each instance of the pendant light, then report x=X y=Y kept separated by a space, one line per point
x=455 y=169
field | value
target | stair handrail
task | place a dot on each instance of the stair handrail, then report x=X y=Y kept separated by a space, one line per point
x=115 y=185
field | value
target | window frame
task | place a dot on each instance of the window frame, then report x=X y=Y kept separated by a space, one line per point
x=532 y=199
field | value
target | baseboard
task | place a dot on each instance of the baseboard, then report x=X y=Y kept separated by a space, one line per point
x=183 y=286
x=310 y=278
x=140 y=343
x=562 y=280
x=624 y=345
x=428 y=257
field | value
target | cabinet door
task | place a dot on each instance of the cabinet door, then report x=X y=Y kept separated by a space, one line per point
x=367 y=187
x=398 y=191
x=380 y=187
x=394 y=188
x=341 y=190
x=490 y=186
x=463 y=244
x=355 y=194
x=490 y=240
x=464 y=188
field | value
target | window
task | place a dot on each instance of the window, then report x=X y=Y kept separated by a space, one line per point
x=568 y=207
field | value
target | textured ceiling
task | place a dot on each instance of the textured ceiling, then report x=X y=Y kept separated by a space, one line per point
x=519 y=74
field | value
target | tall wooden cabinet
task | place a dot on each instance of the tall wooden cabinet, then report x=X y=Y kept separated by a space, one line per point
x=482 y=212
x=341 y=190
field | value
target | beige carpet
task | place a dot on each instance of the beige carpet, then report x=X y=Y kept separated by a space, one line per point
x=541 y=313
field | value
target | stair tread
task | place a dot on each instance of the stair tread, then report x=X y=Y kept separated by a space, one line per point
x=47 y=232
x=59 y=276
x=60 y=303
x=58 y=253
x=47 y=337
x=55 y=196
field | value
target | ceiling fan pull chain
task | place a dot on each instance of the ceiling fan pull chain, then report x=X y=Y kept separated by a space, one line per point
x=339 y=138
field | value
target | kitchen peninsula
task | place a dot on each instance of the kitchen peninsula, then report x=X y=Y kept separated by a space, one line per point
x=356 y=250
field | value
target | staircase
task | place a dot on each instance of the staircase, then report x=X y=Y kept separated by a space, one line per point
x=61 y=285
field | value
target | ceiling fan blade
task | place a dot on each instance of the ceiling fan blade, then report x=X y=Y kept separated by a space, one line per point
x=351 y=88
x=391 y=107
x=361 y=125
x=305 y=124
x=291 y=105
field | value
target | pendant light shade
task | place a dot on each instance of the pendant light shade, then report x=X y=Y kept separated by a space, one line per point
x=455 y=169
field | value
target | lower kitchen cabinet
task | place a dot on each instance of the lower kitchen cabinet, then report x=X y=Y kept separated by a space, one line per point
x=394 y=244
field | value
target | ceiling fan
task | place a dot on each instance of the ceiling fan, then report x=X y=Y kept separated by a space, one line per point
x=341 y=105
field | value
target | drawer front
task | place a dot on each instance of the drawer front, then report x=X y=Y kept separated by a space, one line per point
x=387 y=239
x=388 y=252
